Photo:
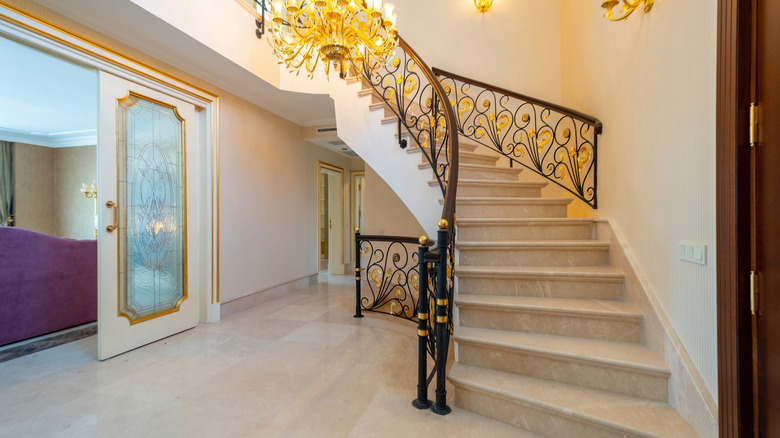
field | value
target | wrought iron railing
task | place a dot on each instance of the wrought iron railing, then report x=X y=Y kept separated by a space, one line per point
x=556 y=142
x=415 y=286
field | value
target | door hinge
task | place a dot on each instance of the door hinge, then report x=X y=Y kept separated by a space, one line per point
x=753 y=292
x=753 y=124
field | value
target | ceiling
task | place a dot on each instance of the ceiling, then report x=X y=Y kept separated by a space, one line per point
x=45 y=100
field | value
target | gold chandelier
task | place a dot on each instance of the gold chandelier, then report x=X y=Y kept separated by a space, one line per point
x=360 y=33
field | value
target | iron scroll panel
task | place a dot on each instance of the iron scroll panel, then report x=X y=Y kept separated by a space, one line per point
x=390 y=270
x=410 y=89
x=553 y=141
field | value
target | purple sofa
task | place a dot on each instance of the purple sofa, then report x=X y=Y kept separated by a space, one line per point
x=47 y=283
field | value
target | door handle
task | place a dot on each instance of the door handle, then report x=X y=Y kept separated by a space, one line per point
x=113 y=226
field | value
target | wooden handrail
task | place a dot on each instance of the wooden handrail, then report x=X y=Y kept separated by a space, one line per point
x=448 y=212
x=559 y=108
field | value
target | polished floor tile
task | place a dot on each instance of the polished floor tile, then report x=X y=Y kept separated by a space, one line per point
x=297 y=366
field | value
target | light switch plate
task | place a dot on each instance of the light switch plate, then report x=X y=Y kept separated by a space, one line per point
x=693 y=252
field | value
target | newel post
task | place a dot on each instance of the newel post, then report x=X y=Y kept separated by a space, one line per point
x=358 y=313
x=422 y=401
x=442 y=332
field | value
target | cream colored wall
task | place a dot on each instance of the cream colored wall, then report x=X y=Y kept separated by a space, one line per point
x=515 y=45
x=268 y=200
x=34 y=202
x=385 y=213
x=47 y=183
x=651 y=81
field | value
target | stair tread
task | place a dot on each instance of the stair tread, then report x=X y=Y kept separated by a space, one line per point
x=552 y=244
x=493 y=182
x=632 y=415
x=512 y=200
x=478 y=167
x=600 y=273
x=560 y=305
x=523 y=220
x=611 y=353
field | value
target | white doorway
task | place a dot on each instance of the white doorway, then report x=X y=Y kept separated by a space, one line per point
x=330 y=214
x=199 y=110
x=357 y=187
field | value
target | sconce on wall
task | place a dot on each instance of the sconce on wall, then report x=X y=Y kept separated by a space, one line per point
x=628 y=8
x=483 y=5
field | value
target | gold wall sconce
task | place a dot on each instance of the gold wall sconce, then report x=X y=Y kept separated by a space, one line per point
x=628 y=8
x=483 y=5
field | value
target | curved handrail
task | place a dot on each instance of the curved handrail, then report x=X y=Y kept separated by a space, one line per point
x=559 y=108
x=418 y=108
x=556 y=142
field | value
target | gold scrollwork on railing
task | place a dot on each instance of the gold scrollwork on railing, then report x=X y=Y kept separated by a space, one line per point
x=628 y=8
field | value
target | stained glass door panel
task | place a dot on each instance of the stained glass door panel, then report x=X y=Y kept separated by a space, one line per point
x=145 y=290
x=152 y=240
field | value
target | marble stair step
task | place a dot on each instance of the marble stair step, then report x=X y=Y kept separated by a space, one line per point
x=560 y=410
x=498 y=229
x=465 y=149
x=475 y=188
x=598 y=283
x=619 y=367
x=533 y=253
x=509 y=207
x=595 y=319
x=478 y=171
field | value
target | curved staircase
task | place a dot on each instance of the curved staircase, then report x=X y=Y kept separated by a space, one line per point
x=545 y=339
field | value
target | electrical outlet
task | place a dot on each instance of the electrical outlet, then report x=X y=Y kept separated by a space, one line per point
x=693 y=252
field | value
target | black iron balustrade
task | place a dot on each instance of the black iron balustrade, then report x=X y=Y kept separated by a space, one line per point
x=410 y=89
x=414 y=286
x=556 y=142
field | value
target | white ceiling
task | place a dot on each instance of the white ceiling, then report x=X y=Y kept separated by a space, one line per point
x=119 y=19
x=45 y=100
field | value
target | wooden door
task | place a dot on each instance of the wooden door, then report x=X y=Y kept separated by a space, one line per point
x=767 y=216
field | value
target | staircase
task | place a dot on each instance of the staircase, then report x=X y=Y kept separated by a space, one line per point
x=545 y=340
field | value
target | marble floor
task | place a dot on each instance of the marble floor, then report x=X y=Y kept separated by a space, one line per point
x=296 y=366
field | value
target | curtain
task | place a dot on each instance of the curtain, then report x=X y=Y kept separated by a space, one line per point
x=6 y=184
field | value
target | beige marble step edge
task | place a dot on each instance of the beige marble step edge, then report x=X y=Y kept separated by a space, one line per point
x=560 y=307
x=513 y=201
x=621 y=356
x=552 y=245
x=615 y=414
x=501 y=221
x=498 y=183
x=601 y=274
x=480 y=167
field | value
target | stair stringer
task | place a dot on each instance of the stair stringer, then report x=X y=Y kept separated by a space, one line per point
x=362 y=130
x=688 y=393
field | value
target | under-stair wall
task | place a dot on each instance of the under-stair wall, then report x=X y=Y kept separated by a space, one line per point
x=377 y=145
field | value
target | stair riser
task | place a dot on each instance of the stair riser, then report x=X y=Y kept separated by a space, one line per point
x=565 y=370
x=541 y=288
x=532 y=257
x=511 y=211
x=468 y=191
x=484 y=161
x=489 y=174
x=550 y=323
x=534 y=418
x=525 y=232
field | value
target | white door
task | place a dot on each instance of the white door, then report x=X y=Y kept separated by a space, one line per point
x=335 y=225
x=148 y=283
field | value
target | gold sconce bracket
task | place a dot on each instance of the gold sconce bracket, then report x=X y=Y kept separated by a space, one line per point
x=628 y=8
x=483 y=5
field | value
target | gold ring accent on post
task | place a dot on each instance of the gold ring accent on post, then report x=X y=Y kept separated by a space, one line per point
x=441 y=319
x=443 y=302
x=422 y=316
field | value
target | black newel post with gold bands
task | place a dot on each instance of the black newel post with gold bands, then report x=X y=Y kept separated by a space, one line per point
x=441 y=327
x=422 y=401
x=358 y=313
